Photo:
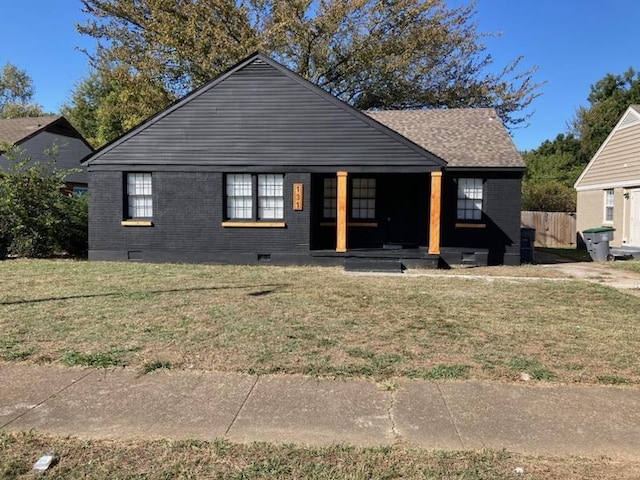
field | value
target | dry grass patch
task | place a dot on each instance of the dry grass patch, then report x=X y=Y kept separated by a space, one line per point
x=162 y=459
x=315 y=321
x=628 y=265
x=524 y=271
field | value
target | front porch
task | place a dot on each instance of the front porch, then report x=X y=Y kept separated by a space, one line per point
x=377 y=215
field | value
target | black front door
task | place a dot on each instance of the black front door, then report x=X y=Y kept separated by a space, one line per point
x=402 y=210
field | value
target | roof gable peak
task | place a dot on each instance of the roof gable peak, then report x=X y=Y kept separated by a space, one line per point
x=630 y=118
x=258 y=58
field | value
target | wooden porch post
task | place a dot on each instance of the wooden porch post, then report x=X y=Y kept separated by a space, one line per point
x=341 y=214
x=434 y=213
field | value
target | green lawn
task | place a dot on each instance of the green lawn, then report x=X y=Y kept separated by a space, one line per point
x=163 y=459
x=315 y=321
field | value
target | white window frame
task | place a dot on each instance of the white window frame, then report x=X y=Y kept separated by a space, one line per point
x=609 y=204
x=270 y=196
x=139 y=195
x=254 y=197
x=470 y=197
x=239 y=192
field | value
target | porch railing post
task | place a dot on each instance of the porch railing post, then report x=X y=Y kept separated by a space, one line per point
x=434 y=213
x=341 y=213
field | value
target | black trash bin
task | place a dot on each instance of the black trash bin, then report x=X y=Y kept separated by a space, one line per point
x=527 y=240
x=597 y=240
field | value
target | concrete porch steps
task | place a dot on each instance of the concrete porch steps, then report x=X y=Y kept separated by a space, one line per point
x=388 y=265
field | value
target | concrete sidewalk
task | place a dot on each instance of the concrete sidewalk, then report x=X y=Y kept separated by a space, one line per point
x=558 y=420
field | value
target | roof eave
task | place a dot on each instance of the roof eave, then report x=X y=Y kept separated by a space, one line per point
x=494 y=168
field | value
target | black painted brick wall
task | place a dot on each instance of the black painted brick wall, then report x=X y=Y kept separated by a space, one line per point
x=187 y=217
x=501 y=237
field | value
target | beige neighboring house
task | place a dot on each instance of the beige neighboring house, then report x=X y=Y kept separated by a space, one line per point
x=609 y=187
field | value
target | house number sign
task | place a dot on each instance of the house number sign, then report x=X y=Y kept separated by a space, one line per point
x=297 y=196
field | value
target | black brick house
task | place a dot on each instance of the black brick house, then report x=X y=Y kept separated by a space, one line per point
x=259 y=165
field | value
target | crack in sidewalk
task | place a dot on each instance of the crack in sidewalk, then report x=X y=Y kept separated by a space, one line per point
x=226 y=433
x=394 y=427
x=453 y=420
x=54 y=394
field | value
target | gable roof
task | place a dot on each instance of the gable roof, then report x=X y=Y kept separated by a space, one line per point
x=258 y=60
x=463 y=137
x=617 y=162
x=17 y=130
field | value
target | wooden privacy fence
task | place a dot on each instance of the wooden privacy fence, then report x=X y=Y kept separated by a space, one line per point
x=553 y=229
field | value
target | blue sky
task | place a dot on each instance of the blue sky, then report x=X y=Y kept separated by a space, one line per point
x=574 y=43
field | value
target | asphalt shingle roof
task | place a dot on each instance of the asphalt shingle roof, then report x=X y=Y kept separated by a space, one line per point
x=463 y=137
x=12 y=130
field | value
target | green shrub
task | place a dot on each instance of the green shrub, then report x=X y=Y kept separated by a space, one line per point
x=36 y=218
x=548 y=197
x=73 y=236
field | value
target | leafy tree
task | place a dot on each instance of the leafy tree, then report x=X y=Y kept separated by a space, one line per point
x=552 y=169
x=16 y=94
x=559 y=160
x=36 y=219
x=372 y=54
x=548 y=197
x=111 y=101
x=608 y=99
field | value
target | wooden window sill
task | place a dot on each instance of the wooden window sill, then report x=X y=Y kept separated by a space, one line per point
x=253 y=224
x=350 y=224
x=362 y=224
x=471 y=225
x=136 y=223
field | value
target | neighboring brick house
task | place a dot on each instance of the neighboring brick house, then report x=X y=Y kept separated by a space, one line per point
x=260 y=165
x=608 y=189
x=34 y=136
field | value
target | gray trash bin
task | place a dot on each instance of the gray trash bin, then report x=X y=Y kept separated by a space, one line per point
x=527 y=239
x=597 y=240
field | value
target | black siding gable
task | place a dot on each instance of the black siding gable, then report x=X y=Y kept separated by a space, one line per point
x=259 y=114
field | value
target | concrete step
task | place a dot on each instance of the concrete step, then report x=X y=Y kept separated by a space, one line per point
x=373 y=265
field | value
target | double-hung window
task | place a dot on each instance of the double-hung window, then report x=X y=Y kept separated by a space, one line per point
x=270 y=197
x=239 y=196
x=470 y=198
x=254 y=197
x=608 y=205
x=139 y=195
